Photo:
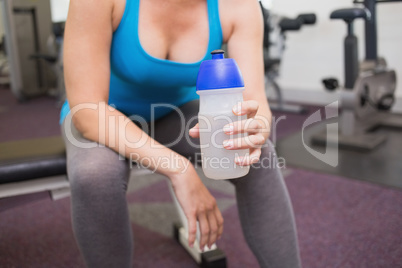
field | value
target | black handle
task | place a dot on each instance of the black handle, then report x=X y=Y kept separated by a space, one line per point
x=308 y=18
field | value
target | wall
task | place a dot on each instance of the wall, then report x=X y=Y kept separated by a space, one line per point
x=59 y=9
x=316 y=51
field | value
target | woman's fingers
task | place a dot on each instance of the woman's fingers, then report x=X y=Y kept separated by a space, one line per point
x=211 y=224
x=219 y=220
x=250 y=159
x=244 y=126
x=204 y=228
x=248 y=108
x=195 y=131
x=251 y=141
x=213 y=227
x=192 y=229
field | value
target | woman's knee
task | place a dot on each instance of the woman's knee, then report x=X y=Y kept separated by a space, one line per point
x=97 y=175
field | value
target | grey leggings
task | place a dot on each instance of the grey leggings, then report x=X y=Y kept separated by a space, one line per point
x=100 y=216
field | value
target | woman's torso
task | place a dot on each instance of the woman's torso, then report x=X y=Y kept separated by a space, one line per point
x=156 y=50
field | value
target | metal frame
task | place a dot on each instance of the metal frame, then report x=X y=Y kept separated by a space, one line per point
x=32 y=12
x=12 y=51
x=274 y=46
x=56 y=184
x=371 y=26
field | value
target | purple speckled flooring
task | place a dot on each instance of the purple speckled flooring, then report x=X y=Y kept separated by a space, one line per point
x=26 y=120
x=341 y=222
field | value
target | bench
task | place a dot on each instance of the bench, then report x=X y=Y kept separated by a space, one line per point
x=39 y=165
x=31 y=166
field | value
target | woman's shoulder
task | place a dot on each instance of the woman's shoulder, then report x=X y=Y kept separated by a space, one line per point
x=234 y=13
x=238 y=9
x=112 y=10
x=86 y=5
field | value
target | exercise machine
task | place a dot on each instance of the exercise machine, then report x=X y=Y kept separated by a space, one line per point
x=275 y=29
x=54 y=58
x=4 y=68
x=368 y=92
x=25 y=35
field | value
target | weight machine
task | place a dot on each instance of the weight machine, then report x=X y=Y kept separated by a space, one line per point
x=368 y=93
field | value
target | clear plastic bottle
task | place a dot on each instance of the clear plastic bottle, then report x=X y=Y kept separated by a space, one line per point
x=220 y=86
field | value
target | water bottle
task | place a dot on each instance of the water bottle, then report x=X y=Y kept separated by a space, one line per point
x=220 y=86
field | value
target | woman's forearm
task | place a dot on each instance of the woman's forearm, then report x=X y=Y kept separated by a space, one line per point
x=113 y=129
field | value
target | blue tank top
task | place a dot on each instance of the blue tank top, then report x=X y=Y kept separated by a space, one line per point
x=139 y=81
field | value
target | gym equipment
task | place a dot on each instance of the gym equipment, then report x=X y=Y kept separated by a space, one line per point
x=12 y=51
x=368 y=92
x=55 y=60
x=38 y=165
x=275 y=28
x=28 y=76
x=4 y=68
x=32 y=12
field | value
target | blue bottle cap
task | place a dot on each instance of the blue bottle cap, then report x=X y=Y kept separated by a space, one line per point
x=219 y=73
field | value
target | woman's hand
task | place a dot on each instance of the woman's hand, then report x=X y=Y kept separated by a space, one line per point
x=253 y=127
x=257 y=131
x=198 y=204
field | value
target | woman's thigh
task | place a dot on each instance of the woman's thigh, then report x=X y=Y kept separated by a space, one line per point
x=172 y=130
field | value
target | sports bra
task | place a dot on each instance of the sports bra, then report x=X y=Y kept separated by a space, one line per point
x=142 y=85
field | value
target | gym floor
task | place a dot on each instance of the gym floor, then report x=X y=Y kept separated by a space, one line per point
x=342 y=222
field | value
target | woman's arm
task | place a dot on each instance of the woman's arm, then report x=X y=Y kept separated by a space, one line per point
x=245 y=46
x=88 y=36
x=87 y=74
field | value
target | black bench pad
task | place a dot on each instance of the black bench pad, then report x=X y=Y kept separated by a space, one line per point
x=32 y=159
